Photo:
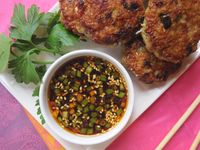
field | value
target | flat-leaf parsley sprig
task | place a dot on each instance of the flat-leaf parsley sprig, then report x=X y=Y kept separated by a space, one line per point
x=20 y=50
x=26 y=42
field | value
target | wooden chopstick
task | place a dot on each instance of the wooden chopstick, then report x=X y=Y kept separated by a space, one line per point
x=179 y=123
x=196 y=142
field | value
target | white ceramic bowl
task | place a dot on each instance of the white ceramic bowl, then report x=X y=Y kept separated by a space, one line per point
x=76 y=138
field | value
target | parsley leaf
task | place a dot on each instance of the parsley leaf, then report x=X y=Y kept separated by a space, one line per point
x=22 y=45
x=42 y=119
x=5 y=44
x=36 y=40
x=23 y=27
x=24 y=70
x=37 y=104
x=60 y=37
x=29 y=39
x=36 y=92
x=38 y=111
x=55 y=18
x=41 y=70
x=46 y=18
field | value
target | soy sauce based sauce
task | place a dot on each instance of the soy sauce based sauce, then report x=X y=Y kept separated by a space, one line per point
x=87 y=95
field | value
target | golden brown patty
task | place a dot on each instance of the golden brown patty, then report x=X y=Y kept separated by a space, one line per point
x=103 y=21
x=171 y=28
x=192 y=11
x=145 y=65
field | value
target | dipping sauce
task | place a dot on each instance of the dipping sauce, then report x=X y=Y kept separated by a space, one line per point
x=87 y=95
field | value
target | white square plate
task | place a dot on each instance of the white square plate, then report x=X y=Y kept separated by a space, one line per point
x=145 y=95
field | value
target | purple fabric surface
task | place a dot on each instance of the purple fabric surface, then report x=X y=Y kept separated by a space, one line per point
x=16 y=131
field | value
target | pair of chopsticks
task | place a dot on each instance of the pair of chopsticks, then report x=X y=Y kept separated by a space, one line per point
x=180 y=122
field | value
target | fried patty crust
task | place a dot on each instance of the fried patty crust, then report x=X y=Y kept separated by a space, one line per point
x=103 y=21
x=171 y=28
x=145 y=65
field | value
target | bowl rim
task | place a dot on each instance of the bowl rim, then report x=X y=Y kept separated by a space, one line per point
x=73 y=137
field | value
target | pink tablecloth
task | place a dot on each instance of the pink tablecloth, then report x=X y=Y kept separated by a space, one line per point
x=16 y=131
x=143 y=134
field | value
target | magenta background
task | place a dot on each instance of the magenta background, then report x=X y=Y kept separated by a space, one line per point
x=16 y=132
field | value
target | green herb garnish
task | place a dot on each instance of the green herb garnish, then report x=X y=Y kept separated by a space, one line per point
x=20 y=51
x=4 y=51
x=37 y=104
x=28 y=43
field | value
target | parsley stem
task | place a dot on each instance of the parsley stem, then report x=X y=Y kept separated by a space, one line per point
x=13 y=53
x=32 y=44
x=46 y=50
x=42 y=62
x=40 y=48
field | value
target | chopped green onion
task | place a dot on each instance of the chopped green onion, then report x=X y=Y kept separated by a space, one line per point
x=83 y=130
x=59 y=119
x=93 y=120
x=86 y=109
x=64 y=114
x=121 y=94
x=108 y=125
x=84 y=102
x=103 y=78
x=98 y=127
x=57 y=91
x=65 y=82
x=76 y=87
x=78 y=74
x=90 y=131
x=88 y=70
x=85 y=64
x=91 y=124
x=108 y=71
x=121 y=87
x=94 y=114
x=67 y=87
x=79 y=108
x=78 y=113
x=92 y=107
x=61 y=78
x=99 y=108
x=109 y=91
x=100 y=91
x=99 y=67
x=89 y=88
x=119 y=111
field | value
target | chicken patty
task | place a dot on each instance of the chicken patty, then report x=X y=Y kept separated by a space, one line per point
x=171 y=28
x=103 y=21
x=145 y=65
